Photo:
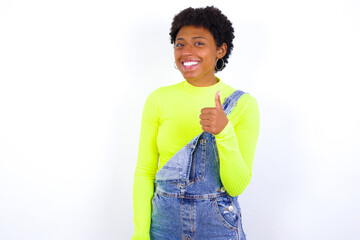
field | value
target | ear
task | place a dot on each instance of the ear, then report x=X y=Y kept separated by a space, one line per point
x=221 y=51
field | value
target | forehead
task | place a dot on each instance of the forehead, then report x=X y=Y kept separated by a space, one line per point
x=193 y=31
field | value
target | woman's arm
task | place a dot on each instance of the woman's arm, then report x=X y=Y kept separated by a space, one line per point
x=236 y=145
x=145 y=171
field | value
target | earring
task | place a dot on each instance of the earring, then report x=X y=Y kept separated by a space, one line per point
x=175 y=66
x=222 y=66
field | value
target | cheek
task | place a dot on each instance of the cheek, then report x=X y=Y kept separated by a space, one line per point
x=209 y=55
x=177 y=54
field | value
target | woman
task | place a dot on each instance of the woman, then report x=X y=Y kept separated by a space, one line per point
x=195 y=153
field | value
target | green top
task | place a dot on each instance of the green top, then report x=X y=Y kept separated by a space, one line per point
x=170 y=119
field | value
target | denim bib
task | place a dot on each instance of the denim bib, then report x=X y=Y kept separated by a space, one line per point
x=190 y=201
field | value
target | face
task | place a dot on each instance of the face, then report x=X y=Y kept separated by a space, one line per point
x=196 y=53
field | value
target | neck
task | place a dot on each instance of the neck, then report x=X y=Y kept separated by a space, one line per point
x=203 y=82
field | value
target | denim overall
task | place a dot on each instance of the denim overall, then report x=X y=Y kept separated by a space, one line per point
x=190 y=202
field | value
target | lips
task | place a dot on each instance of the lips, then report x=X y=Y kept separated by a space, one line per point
x=190 y=64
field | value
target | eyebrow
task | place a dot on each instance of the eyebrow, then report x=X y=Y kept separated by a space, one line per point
x=192 y=38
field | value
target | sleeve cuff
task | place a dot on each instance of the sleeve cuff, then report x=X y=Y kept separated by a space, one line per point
x=227 y=132
x=141 y=236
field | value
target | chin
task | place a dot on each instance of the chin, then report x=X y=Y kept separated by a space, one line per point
x=188 y=76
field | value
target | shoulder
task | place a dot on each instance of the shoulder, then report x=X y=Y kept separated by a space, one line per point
x=248 y=101
x=245 y=109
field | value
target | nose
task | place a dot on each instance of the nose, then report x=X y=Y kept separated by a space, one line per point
x=187 y=50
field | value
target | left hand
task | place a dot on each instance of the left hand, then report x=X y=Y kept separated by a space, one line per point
x=214 y=120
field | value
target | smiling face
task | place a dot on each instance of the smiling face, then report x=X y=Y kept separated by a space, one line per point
x=196 y=53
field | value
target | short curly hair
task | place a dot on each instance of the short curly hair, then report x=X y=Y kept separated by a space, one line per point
x=210 y=18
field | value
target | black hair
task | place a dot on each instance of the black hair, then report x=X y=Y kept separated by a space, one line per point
x=210 y=18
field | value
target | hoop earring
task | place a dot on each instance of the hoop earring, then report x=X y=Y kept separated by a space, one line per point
x=222 y=66
x=175 y=66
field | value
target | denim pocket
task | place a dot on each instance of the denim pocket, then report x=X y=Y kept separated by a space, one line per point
x=226 y=211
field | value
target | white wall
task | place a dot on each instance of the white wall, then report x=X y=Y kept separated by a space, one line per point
x=74 y=76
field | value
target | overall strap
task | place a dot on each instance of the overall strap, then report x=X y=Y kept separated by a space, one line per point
x=231 y=101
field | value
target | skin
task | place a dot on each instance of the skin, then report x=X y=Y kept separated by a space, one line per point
x=196 y=45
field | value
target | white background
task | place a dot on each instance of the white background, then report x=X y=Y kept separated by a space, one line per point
x=74 y=76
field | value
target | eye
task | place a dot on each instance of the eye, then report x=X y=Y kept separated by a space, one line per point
x=199 y=43
x=179 y=45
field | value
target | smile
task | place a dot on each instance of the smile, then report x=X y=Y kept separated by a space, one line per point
x=190 y=64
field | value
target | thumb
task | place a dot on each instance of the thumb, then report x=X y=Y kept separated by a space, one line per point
x=217 y=100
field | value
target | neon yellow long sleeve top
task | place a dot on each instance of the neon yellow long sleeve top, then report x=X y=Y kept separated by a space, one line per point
x=170 y=119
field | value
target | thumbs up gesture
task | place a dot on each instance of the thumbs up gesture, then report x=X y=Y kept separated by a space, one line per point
x=214 y=120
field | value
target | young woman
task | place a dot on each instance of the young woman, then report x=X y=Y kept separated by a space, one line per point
x=197 y=141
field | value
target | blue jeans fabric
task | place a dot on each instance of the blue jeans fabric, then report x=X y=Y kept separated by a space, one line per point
x=190 y=202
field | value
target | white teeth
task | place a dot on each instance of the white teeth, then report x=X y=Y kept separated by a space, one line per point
x=188 y=64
